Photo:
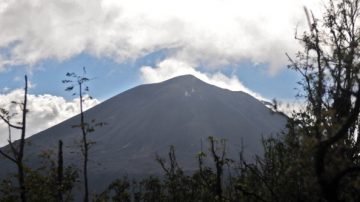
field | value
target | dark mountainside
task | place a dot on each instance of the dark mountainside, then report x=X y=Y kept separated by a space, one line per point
x=147 y=119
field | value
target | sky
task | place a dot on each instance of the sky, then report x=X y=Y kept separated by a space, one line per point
x=234 y=44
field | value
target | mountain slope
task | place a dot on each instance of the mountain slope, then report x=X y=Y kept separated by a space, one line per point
x=147 y=119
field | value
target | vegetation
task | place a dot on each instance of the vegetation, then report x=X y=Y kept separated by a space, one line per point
x=318 y=159
x=16 y=154
x=330 y=68
x=79 y=82
x=42 y=183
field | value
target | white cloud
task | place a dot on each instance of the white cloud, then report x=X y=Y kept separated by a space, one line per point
x=289 y=107
x=170 y=68
x=44 y=111
x=208 y=32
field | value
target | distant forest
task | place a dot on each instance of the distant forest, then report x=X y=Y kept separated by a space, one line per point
x=317 y=159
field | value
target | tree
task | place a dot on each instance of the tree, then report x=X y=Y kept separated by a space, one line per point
x=220 y=161
x=40 y=182
x=43 y=183
x=330 y=65
x=16 y=154
x=60 y=171
x=176 y=182
x=80 y=82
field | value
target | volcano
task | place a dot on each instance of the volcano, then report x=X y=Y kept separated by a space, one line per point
x=144 y=121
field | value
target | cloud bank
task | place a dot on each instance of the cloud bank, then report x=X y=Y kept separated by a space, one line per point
x=44 y=111
x=210 y=33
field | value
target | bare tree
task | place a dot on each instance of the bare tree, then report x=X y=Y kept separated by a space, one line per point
x=60 y=171
x=79 y=82
x=16 y=154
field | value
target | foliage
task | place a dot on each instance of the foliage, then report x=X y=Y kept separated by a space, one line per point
x=41 y=183
x=330 y=65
